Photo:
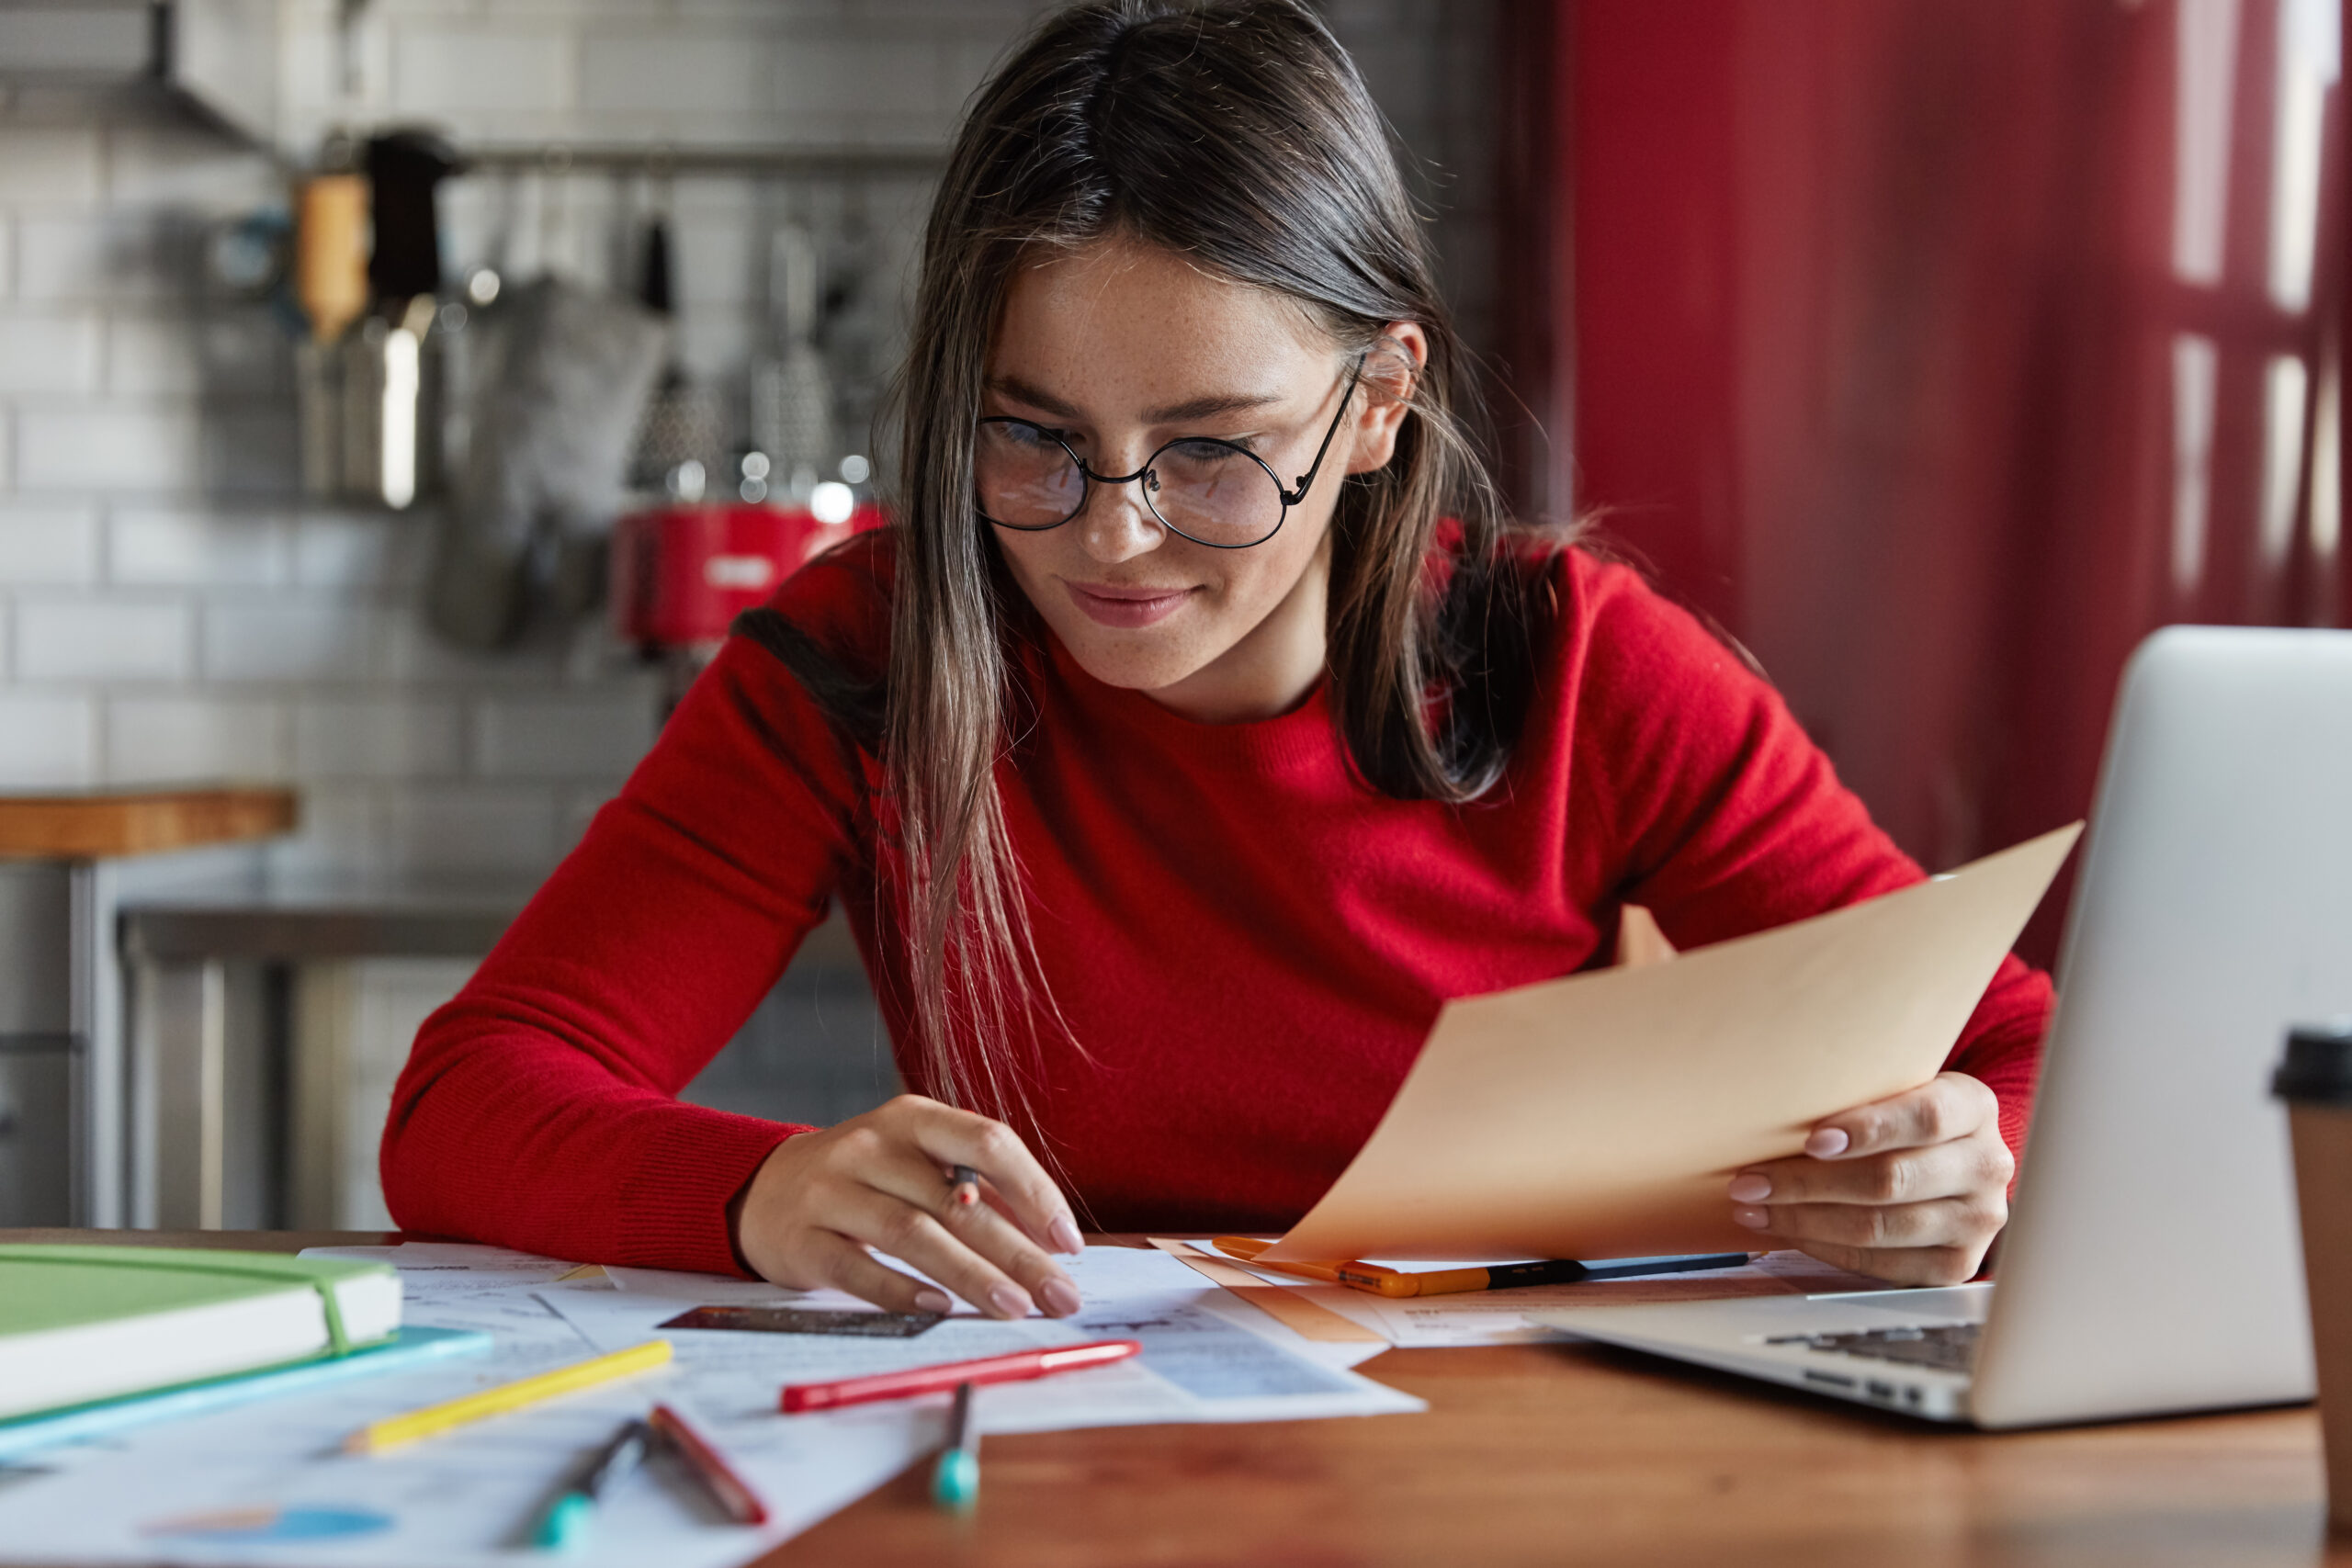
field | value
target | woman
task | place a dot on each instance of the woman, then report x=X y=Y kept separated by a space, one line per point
x=1196 y=731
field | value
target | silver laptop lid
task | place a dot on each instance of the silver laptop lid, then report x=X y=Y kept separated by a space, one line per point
x=2153 y=1263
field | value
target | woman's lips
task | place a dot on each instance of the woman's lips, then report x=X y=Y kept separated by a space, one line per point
x=1127 y=606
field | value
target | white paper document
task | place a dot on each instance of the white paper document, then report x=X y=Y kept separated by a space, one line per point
x=269 y=1484
x=1103 y=1274
x=1198 y=1364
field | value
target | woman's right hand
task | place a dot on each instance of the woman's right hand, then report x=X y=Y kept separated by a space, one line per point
x=819 y=1199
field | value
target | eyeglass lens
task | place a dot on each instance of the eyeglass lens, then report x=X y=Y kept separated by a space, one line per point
x=1205 y=489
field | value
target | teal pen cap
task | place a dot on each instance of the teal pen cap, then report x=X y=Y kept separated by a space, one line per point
x=566 y=1521
x=955 y=1480
x=956 y=1483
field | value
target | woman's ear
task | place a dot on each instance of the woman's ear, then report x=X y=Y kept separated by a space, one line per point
x=1390 y=371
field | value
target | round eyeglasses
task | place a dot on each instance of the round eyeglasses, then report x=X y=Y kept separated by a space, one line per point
x=1212 y=491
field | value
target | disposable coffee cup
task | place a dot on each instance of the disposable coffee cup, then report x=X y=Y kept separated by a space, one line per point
x=2315 y=1080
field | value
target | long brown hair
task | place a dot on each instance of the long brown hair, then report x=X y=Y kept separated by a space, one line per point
x=1239 y=134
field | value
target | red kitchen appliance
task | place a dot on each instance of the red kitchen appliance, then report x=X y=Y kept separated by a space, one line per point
x=679 y=574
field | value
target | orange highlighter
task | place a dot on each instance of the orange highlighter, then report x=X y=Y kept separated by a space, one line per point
x=1393 y=1282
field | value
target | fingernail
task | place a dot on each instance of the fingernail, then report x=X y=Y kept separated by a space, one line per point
x=1064 y=1234
x=1009 y=1300
x=1061 y=1297
x=1750 y=1186
x=932 y=1301
x=1754 y=1219
x=1828 y=1141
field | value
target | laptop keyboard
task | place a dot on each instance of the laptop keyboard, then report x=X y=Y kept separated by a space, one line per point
x=1949 y=1347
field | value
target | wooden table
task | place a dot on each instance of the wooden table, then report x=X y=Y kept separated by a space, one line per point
x=101 y=824
x=1562 y=1454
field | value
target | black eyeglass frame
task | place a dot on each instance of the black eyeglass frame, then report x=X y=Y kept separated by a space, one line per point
x=1088 y=479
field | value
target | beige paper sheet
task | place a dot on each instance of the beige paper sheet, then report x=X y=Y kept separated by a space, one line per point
x=1602 y=1115
x=1308 y=1319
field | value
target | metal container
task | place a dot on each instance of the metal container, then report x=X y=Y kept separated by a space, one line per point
x=371 y=409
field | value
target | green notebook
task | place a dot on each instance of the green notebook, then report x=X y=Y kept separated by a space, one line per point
x=85 y=1323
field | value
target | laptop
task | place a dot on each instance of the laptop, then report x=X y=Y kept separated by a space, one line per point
x=2151 y=1262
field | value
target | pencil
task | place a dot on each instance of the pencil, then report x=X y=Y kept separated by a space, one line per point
x=730 y=1491
x=392 y=1431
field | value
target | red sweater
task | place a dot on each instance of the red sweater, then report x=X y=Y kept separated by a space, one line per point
x=1249 y=943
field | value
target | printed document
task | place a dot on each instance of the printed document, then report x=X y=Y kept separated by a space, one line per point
x=269 y=1484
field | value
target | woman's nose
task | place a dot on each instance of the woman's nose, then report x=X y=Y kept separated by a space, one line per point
x=1116 y=525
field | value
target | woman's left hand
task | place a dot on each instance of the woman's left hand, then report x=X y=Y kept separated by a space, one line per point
x=1911 y=1189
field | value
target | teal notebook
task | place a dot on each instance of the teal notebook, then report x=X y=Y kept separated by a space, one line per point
x=83 y=1323
x=408 y=1347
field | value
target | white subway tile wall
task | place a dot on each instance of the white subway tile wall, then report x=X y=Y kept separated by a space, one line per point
x=307 y=639
x=235 y=351
x=49 y=353
x=170 y=739
x=442 y=64
x=380 y=737
x=171 y=607
x=577 y=738
x=445 y=829
x=49 y=545
x=100 y=255
x=180 y=547
x=73 y=446
x=53 y=164
x=50 y=742
x=359 y=552
x=121 y=638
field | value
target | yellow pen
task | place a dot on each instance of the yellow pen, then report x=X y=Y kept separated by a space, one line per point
x=392 y=1431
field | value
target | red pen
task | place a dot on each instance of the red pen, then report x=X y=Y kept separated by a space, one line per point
x=731 y=1490
x=942 y=1378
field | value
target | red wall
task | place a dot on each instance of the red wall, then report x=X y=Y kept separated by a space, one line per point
x=1864 y=316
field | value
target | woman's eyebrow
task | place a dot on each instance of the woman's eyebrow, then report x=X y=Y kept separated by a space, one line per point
x=1208 y=408
x=1185 y=412
x=1044 y=401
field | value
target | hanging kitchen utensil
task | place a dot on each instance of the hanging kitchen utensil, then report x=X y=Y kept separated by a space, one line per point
x=792 y=392
x=405 y=169
x=562 y=388
x=370 y=407
x=680 y=440
x=331 y=252
x=857 y=331
x=392 y=378
x=331 y=287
